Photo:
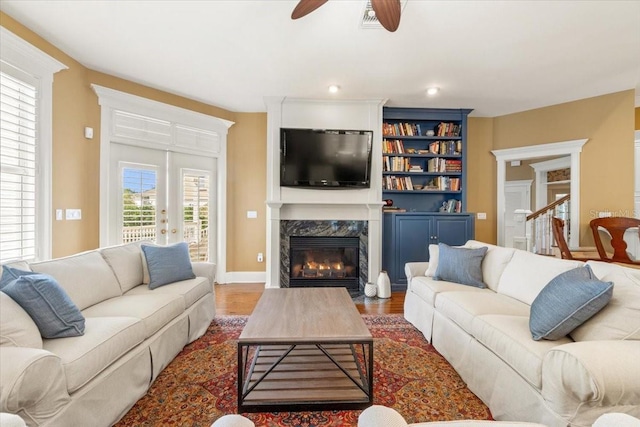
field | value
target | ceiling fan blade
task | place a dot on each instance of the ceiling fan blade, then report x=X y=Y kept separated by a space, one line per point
x=305 y=7
x=388 y=13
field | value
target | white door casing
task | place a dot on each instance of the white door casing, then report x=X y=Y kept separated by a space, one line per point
x=572 y=148
x=133 y=120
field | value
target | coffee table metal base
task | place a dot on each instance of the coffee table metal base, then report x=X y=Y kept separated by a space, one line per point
x=293 y=376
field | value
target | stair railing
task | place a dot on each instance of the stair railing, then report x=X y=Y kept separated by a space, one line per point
x=539 y=225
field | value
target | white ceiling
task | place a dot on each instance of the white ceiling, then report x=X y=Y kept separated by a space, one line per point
x=497 y=57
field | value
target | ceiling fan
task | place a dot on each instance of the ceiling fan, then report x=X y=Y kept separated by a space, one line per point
x=387 y=11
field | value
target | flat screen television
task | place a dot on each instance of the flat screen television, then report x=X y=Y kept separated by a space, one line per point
x=324 y=158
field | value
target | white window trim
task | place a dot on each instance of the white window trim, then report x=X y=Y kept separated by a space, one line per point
x=112 y=100
x=28 y=58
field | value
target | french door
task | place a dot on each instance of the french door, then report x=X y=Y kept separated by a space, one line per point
x=162 y=196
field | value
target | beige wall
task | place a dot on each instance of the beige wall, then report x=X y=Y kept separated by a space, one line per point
x=247 y=171
x=607 y=168
x=76 y=160
x=481 y=177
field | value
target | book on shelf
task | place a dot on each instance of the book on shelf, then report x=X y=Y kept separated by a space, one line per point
x=403 y=129
x=448 y=129
x=443 y=183
x=446 y=148
x=393 y=209
x=391 y=182
x=415 y=168
x=452 y=205
x=392 y=146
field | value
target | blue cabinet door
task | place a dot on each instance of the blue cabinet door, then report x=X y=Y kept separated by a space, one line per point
x=453 y=230
x=407 y=236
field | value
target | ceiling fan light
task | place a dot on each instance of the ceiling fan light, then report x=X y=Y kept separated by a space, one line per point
x=433 y=90
x=334 y=89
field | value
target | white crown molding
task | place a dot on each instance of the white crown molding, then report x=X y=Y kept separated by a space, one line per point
x=551 y=165
x=27 y=57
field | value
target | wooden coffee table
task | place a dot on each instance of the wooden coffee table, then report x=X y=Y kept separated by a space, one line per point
x=305 y=349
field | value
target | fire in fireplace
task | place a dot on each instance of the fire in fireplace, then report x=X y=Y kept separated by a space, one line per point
x=324 y=261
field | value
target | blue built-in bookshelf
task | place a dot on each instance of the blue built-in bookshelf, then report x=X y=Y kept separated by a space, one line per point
x=424 y=153
x=424 y=158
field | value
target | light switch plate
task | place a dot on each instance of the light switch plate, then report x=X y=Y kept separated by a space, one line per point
x=59 y=216
x=252 y=214
x=73 y=214
x=482 y=215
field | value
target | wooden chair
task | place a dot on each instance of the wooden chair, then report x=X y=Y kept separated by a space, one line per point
x=557 y=226
x=616 y=227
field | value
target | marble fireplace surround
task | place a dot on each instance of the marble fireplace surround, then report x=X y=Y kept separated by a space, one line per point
x=306 y=228
x=316 y=219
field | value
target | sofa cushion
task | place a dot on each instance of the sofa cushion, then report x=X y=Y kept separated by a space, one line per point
x=86 y=277
x=527 y=273
x=17 y=328
x=566 y=302
x=462 y=307
x=126 y=263
x=620 y=319
x=105 y=340
x=154 y=310
x=9 y=274
x=48 y=305
x=460 y=265
x=493 y=263
x=509 y=338
x=427 y=288
x=168 y=264
x=191 y=290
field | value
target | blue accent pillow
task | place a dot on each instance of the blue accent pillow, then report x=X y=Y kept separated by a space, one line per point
x=48 y=305
x=566 y=302
x=9 y=274
x=460 y=265
x=168 y=264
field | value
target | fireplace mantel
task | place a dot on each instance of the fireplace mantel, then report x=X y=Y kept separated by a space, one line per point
x=285 y=203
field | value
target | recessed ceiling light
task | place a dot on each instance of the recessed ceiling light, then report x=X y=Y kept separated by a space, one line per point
x=334 y=88
x=433 y=90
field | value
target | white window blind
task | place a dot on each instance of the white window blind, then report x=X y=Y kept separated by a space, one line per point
x=196 y=214
x=18 y=156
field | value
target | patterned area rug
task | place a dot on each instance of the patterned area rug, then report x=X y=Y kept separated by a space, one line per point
x=199 y=386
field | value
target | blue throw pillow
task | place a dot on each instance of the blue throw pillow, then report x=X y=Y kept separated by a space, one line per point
x=9 y=274
x=168 y=264
x=48 y=305
x=460 y=265
x=566 y=302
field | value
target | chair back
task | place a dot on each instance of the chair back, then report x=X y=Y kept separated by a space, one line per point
x=557 y=226
x=616 y=227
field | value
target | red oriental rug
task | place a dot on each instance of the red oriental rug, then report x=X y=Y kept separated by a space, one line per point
x=199 y=386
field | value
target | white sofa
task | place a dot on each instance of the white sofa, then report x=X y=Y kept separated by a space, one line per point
x=131 y=334
x=484 y=334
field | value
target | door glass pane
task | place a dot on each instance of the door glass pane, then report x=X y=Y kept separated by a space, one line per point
x=138 y=204
x=195 y=203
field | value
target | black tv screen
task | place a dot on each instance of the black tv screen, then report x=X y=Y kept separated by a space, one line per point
x=325 y=158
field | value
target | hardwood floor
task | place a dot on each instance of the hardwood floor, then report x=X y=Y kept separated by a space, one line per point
x=241 y=298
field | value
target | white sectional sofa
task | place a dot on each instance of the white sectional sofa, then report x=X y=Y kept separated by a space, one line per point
x=485 y=335
x=131 y=334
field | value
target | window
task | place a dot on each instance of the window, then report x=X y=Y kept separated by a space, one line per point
x=18 y=121
x=26 y=79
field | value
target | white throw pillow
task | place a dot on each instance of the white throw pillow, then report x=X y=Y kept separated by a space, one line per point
x=17 y=328
x=434 y=253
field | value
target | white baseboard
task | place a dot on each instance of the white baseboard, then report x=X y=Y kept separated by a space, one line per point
x=244 y=277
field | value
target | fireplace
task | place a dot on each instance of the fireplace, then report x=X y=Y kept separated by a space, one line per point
x=334 y=242
x=324 y=261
